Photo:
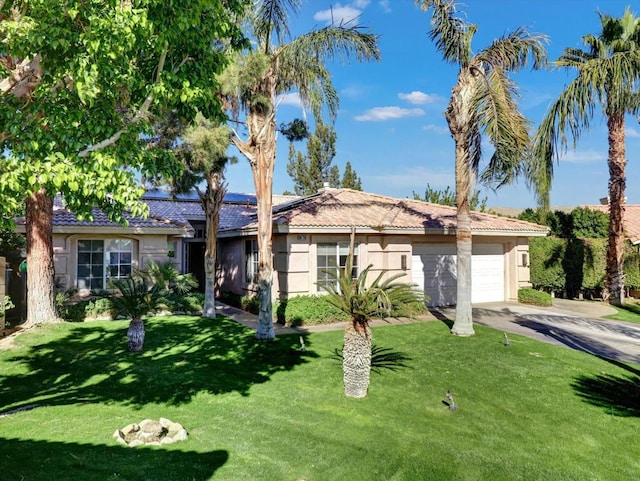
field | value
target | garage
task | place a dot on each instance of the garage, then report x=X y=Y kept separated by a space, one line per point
x=434 y=267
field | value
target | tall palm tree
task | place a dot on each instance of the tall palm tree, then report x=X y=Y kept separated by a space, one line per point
x=273 y=68
x=608 y=74
x=483 y=101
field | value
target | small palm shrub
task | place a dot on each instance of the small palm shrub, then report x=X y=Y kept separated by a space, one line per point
x=134 y=299
x=101 y=307
x=362 y=302
x=528 y=295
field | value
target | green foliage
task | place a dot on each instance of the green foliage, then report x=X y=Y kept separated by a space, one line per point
x=101 y=70
x=590 y=224
x=135 y=297
x=528 y=295
x=250 y=303
x=100 y=307
x=350 y=180
x=5 y=305
x=169 y=279
x=190 y=303
x=545 y=257
x=448 y=197
x=382 y=298
x=308 y=311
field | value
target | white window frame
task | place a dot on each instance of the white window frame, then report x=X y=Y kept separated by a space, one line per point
x=251 y=261
x=107 y=259
x=335 y=261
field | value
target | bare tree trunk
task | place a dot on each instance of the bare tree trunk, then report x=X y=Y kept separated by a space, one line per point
x=614 y=285
x=356 y=359
x=40 y=272
x=212 y=202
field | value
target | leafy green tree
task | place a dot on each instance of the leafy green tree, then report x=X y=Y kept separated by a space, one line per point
x=607 y=75
x=310 y=172
x=80 y=81
x=350 y=180
x=203 y=150
x=275 y=67
x=448 y=197
x=483 y=101
x=589 y=224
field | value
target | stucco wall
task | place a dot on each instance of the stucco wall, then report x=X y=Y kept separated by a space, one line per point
x=146 y=249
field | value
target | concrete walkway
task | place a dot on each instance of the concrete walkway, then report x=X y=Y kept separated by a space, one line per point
x=574 y=324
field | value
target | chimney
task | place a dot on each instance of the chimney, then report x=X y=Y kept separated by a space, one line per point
x=325 y=187
x=605 y=200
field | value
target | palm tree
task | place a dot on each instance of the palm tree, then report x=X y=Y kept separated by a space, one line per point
x=254 y=83
x=363 y=301
x=483 y=101
x=607 y=75
x=135 y=298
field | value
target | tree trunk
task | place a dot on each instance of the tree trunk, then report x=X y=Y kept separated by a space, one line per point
x=614 y=285
x=212 y=202
x=135 y=335
x=40 y=272
x=356 y=359
x=461 y=124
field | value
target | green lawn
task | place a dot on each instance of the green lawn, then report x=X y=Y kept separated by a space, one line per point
x=630 y=312
x=266 y=411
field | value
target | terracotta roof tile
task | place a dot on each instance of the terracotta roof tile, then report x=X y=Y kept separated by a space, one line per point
x=345 y=207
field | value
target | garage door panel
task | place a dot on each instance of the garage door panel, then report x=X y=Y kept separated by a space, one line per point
x=434 y=267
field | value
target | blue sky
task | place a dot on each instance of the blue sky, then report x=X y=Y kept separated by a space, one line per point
x=391 y=125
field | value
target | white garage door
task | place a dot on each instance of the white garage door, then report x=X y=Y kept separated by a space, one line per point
x=434 y=267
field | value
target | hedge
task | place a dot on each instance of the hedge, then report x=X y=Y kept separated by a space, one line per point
x=574 y=266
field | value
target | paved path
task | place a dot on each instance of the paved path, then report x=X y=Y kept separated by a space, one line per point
x=574 y=324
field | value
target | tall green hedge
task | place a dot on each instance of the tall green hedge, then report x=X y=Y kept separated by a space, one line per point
x=574 y=266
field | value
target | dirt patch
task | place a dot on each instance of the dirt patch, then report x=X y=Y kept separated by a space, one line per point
x=8 y=335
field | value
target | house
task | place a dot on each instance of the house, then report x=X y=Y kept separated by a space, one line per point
x=631 y=221
x=310 y=238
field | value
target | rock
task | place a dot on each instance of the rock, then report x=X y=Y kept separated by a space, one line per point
x=150 y=432
x=180 y=435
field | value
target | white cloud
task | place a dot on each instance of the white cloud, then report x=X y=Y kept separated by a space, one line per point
x=438 y=129
x=361 y=4
x=585 y=157
x=338 y=14
x=417 y=98
x=290 y=99
x=386 y=113
x=384 y=4
x=633 y=133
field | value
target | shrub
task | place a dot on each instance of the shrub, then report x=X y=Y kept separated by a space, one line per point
x=528 y=295
x=250 y=303
x=99 y=308
x=308 y=310
x=230 y=298
x=191 y=302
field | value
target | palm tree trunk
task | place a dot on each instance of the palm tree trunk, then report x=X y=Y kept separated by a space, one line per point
x=462 y=129
x=40 y=272
x=356 y=359
x=212 y=202
x=614 y=285
x=135 y=335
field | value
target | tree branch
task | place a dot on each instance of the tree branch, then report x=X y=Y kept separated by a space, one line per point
x=142 y=112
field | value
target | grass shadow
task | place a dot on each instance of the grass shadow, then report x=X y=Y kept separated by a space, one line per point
x=441 y=316
x=619 y=395
x=47 y=460
x=183 y=356
x=381 y=358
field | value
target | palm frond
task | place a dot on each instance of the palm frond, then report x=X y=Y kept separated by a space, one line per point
x=515 y=51
x=272 y=16
x=451 y=34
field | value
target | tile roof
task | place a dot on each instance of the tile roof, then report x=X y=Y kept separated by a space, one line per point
x=346 y=207
x=631 y=219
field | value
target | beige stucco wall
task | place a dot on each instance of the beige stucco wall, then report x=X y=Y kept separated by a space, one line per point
x=146 y=249
x=295 y=260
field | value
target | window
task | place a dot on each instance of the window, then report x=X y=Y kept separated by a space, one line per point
x=101 y=260
x=331 y=258
x=251 y=261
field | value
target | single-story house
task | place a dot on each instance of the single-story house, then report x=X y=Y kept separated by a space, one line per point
x=310 y=237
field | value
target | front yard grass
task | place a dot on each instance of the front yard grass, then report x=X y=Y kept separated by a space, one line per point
x=630 y=312
x=267 y=411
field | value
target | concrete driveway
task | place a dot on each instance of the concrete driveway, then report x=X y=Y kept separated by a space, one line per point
x=573 y=324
